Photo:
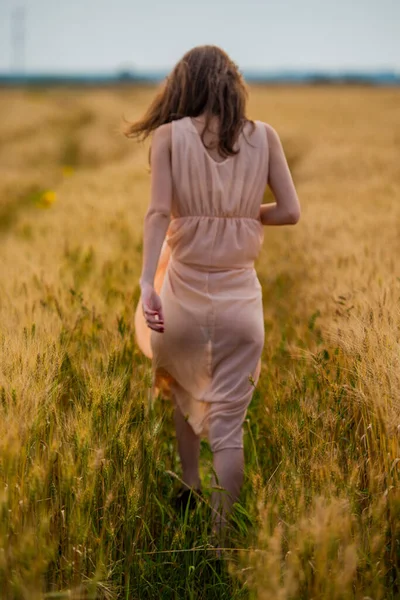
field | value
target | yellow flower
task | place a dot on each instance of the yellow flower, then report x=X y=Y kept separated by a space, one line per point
x=47 y=198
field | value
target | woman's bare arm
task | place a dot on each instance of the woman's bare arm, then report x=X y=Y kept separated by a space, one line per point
x=286 y=209
x=159 y=212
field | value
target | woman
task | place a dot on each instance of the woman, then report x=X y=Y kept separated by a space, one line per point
x=201 y=315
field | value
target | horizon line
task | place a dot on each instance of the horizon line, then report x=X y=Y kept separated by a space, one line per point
x=130 y=75
x=165 y=70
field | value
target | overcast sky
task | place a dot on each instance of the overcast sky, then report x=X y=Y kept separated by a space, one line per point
x=105 y=35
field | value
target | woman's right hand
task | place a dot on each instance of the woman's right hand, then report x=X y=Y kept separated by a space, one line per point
x=152 y=308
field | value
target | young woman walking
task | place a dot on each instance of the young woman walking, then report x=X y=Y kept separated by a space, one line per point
x=200 y=317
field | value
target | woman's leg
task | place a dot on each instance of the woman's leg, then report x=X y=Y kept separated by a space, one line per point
x=226 y=441
x=188 y=448
x=229 y=469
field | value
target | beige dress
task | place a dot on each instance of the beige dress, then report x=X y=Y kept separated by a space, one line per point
x=208 y=357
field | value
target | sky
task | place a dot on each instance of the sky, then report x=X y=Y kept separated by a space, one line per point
x=103 y=36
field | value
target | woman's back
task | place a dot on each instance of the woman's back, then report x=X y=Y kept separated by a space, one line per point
x=216 y=205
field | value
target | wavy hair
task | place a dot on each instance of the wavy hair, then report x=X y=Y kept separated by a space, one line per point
x=205 y=80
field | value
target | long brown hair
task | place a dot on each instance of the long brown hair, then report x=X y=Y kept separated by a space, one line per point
x=205 y=80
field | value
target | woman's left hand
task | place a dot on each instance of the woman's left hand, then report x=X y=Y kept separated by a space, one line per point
x=152 y=309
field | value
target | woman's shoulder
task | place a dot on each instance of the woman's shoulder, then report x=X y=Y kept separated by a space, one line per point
x=162 y=135
x=260 y=132
x=270 y=132
x=165 y=132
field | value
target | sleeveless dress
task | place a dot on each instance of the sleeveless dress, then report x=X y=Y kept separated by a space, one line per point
x=208 y=358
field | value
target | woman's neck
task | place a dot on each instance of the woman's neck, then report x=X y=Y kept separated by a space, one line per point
x=213 y=125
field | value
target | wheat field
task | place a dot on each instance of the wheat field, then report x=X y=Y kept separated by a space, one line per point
x=88 y=470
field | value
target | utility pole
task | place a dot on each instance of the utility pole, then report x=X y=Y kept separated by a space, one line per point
x=18 y=39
